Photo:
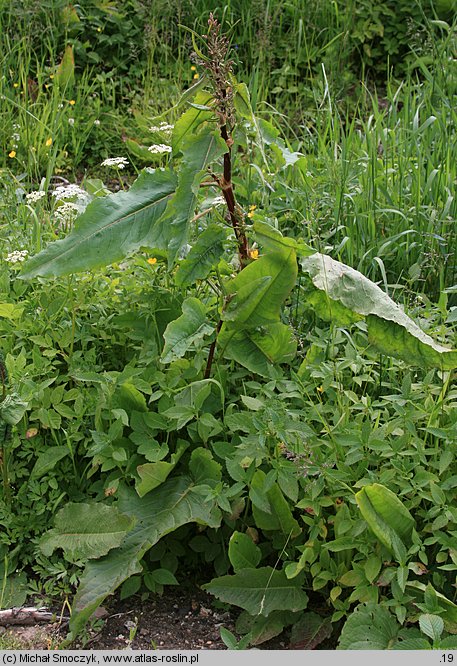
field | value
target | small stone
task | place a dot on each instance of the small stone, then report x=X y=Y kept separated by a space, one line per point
x=130 y=624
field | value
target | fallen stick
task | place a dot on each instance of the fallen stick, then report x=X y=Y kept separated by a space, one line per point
x=25 y=616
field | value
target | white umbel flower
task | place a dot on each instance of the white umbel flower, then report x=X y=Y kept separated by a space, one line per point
x=118 y=162
x=159 y=149
x=33 y=197
x=163 y=127
x=71 y=191
x=66 y=212
x=16 y=256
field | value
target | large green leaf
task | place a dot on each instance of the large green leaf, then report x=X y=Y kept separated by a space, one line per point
x=260 y=289
x=198 y=151
x=369 y=627
x=258 y=349
x=387 y=517
x=259 y=591
x=261 y=628
x=48 y=460
x=271 y=511
x=87 y=531
x=154 y=474
x=205 y=254
x=242 y=552
x=182 y=333
x=191 y=119
x=176 y=502
x=13 y=589
x=310 y=630
x=344 y=295
x=110 y=228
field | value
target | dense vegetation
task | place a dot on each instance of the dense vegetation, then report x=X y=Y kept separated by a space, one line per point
x=203 y=367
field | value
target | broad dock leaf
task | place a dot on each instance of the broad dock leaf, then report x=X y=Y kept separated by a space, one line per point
x=259 y=349
x=259 y=591
x=185 y=331
x=198 y=151
x=205 y=253
x=345 y=295
x=387 y=517
x=176 y=502
x=260 y=289
x=110 y=229
x=87 y=531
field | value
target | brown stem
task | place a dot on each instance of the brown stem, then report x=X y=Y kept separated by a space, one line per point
x=212 y=349
x=229 y=196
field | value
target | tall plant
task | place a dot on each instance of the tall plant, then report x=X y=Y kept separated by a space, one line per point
x=245 y=270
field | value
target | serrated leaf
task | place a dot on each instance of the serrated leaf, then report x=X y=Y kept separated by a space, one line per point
x=350 y=295
x=259 y=591
x=204 y=255
x=48 y=460
x=174 y=503
x=242 y=552
x=110 y=229
x=86 y=531
x=154 y=474
x=369 y=627
x=372 y=567
x=182 y=333
x=431 y=625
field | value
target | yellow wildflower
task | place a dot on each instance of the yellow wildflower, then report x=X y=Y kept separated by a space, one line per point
x=320 y=389
x=72 y=102
x=48 y=142
x=15 y=85
x=12 y=154
x=152 y=261
x=251 y=214
x=193 y=68
x=51 y=76
x=196 y=75
x=252 y=207
x=254 y=254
